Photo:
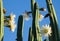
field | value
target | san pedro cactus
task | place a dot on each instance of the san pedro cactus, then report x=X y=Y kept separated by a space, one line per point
x=1 y=21
x=34 y=31
x=20 y=28
x=30 y=38
x=53 y=21
x=35 y=24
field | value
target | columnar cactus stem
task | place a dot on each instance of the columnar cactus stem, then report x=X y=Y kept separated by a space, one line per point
x=53 y=21
x=34 y=35
x=20 y=28
x=30 y=38
x=32 y=5
x=35 y=24
x=1 y=21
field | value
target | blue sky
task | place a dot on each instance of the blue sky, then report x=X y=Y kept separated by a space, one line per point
x=18 y=7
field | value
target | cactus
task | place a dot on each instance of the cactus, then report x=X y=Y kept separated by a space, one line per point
x=30 y=38
x=35 y=29
x=1 y=21
x=53 y=21
x=45 y=40
x=19 y=29
x=35 y=24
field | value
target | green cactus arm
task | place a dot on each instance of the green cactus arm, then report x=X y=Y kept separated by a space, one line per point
x=39 y=38
x=32 y=5
x=30 y=38
x=53 y=21
x=51 y=9
x=35 y=24
x=1 y=21
x=20 y=28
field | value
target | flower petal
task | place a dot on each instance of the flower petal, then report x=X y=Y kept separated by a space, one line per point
x=46 y=30
x=13 y=26
x=12 y=16
x=41 y=17
x=26 y=17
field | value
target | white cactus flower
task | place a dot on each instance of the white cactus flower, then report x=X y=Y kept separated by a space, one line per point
x=12 y=25
x=41 y=17
x=46 y=30
x=12 y=22
x=12 y=16
x=26 y=17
